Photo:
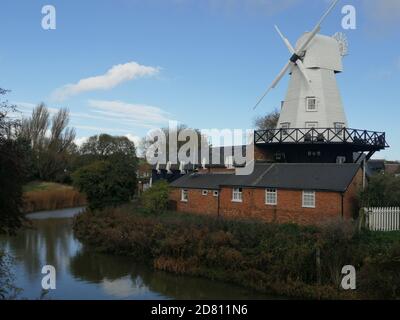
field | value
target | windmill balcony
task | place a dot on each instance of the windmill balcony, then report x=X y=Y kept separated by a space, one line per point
x=360 y=139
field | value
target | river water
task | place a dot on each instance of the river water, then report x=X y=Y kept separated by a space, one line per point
x=84 y=274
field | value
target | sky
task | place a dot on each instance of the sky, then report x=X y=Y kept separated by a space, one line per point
x=124 y=67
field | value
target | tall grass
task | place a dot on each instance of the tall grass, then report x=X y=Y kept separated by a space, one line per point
x=52 y=199
x=276 y=259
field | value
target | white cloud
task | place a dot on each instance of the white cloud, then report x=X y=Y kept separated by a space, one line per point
x=27 y=107
x=113 y=77
x=99 y=129
x=80 y=141
x=134 y=139
x=138 y=114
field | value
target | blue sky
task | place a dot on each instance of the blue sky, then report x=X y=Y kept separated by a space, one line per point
x=125 y=66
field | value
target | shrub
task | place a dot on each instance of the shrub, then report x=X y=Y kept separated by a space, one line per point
x=106 y=183
x=276 y=259
x=383 y=191
x=155 y=199
x=380 y=277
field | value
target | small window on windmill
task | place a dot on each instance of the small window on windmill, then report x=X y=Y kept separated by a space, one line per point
x=279 y=156
x=340 y=160
x=285 y=126
x=311 y=125
x=339 y=126
x=311 y=104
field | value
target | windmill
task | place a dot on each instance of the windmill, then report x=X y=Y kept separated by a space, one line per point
x=312 y=126
x=313 y=98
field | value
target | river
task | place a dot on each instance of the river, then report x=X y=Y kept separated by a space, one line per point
x=84 y=274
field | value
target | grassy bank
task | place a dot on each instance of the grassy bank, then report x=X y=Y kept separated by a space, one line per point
x=275 y=259
x=40 y=196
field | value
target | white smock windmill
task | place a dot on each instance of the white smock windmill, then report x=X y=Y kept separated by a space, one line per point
x=313 y=99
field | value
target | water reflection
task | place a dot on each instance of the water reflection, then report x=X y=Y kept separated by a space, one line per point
x=85 y=274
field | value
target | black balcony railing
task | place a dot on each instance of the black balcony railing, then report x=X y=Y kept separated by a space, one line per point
x=355 y=137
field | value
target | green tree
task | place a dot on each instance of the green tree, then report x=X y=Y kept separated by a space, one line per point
x=155 y=199
x=12 y=169
x=383 y=190
x=107 y=147
x=108 y=172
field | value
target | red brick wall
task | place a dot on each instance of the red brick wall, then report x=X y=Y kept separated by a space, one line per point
x=197 y=203
x=289 y=207
x=350 y=198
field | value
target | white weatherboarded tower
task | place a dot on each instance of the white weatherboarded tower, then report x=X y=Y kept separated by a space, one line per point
x=313 y=99
x=315 y=104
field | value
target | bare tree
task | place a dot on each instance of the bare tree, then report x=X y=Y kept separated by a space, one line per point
x=145 y=143
x=269 y=121
x=51 y=139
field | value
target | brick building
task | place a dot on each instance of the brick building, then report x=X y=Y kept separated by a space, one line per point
x=304 y=193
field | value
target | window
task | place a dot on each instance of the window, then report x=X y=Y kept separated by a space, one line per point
x=184 y=195
x=271 y=197
x=311 y=104
x=340 y=159
x=204 y=192
x=310 y=125
x=285 y=126
x=237 y=195
x=215 y=193
x=338 y=126
x=308 y=199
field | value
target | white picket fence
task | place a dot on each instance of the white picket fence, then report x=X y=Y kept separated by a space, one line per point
x=383 y=219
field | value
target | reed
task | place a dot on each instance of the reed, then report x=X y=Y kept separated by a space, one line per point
x=52 y=199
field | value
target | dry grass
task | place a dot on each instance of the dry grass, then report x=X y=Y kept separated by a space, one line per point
x=50 y=196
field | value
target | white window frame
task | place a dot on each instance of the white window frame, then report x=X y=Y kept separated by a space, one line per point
x=309 y=199
x=339 y=126
x=340 y=159
x=184 y=195
x=216 y=193
x=285 y=126
x=311 y=125
x=204 y=192
x=237 y=195
x=271 y=196
x=315 y=104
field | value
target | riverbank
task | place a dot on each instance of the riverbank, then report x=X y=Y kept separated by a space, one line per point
x=84 y=274
x=274 y=259
x=43 y=196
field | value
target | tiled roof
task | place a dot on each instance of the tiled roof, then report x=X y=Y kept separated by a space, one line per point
x=303 y=176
